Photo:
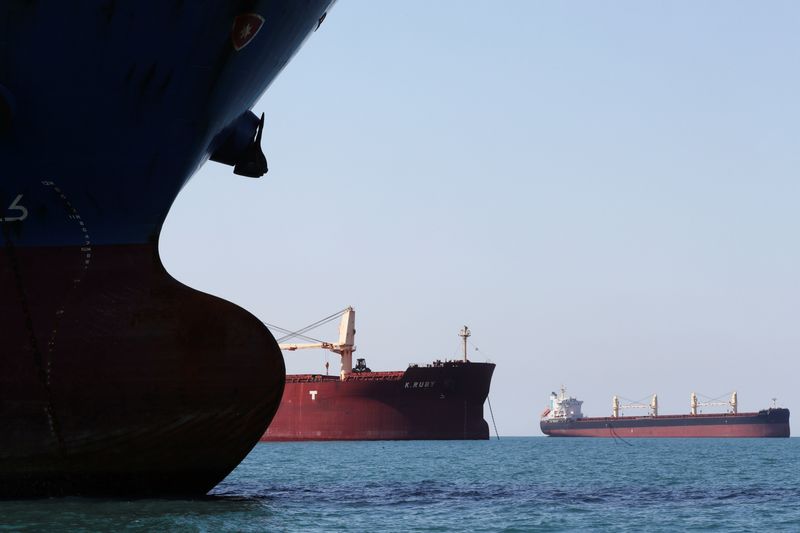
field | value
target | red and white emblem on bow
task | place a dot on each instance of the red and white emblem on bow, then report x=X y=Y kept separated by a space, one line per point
x=245 y=27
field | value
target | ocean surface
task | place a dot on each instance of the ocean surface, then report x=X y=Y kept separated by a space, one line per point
x=514 y=484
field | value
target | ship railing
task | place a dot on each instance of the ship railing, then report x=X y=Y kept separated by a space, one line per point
x=309 y=378
x=672 y=416
x=375 y=376
x=355 y=376
x=440 y=363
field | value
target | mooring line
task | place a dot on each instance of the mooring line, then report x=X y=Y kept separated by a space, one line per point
x=492 y=413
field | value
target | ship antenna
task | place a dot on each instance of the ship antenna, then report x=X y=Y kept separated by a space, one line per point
x=464 y=334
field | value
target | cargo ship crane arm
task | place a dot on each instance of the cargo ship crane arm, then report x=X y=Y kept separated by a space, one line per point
x=309 y=346
x=732 y=404
x=617 y=407
x=345 y=347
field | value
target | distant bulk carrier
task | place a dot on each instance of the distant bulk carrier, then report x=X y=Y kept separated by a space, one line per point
x=440 y=400
x=563 y=418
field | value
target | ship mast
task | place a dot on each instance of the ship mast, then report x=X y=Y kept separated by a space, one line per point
x=464 y=334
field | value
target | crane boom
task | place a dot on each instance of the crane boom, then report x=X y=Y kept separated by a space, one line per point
x=310 y=346
x=345 y=346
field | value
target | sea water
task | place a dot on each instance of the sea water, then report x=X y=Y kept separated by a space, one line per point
x=514 y=484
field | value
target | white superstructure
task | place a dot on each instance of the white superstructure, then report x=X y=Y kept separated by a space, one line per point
x=563 y=407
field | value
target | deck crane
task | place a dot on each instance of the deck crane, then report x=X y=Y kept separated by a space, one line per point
x=616 y=407
x=733 y=403
x=345 y=346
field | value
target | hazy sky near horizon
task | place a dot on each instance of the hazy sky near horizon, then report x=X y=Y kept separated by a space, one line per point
x=605 y=192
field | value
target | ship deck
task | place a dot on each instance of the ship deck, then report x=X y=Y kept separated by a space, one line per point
x=355 y=376
x=660 y=417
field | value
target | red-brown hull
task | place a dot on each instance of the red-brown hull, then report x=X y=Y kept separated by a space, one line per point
x=432 y=402
x=117 y=379
x=766 y=423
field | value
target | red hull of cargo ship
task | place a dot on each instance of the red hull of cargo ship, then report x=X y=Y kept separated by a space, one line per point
x=439 y=401
x=117 y=376
x=766 y=423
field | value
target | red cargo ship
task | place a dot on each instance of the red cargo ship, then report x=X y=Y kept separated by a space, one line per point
x=441 y=400
x=564 y=419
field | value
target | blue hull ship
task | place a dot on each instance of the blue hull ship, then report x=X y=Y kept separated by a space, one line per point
x=114 y=377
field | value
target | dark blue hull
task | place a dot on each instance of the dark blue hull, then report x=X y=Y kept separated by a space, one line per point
x=114 y=377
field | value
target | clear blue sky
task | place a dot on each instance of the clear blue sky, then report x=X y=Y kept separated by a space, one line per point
x=605 y=192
